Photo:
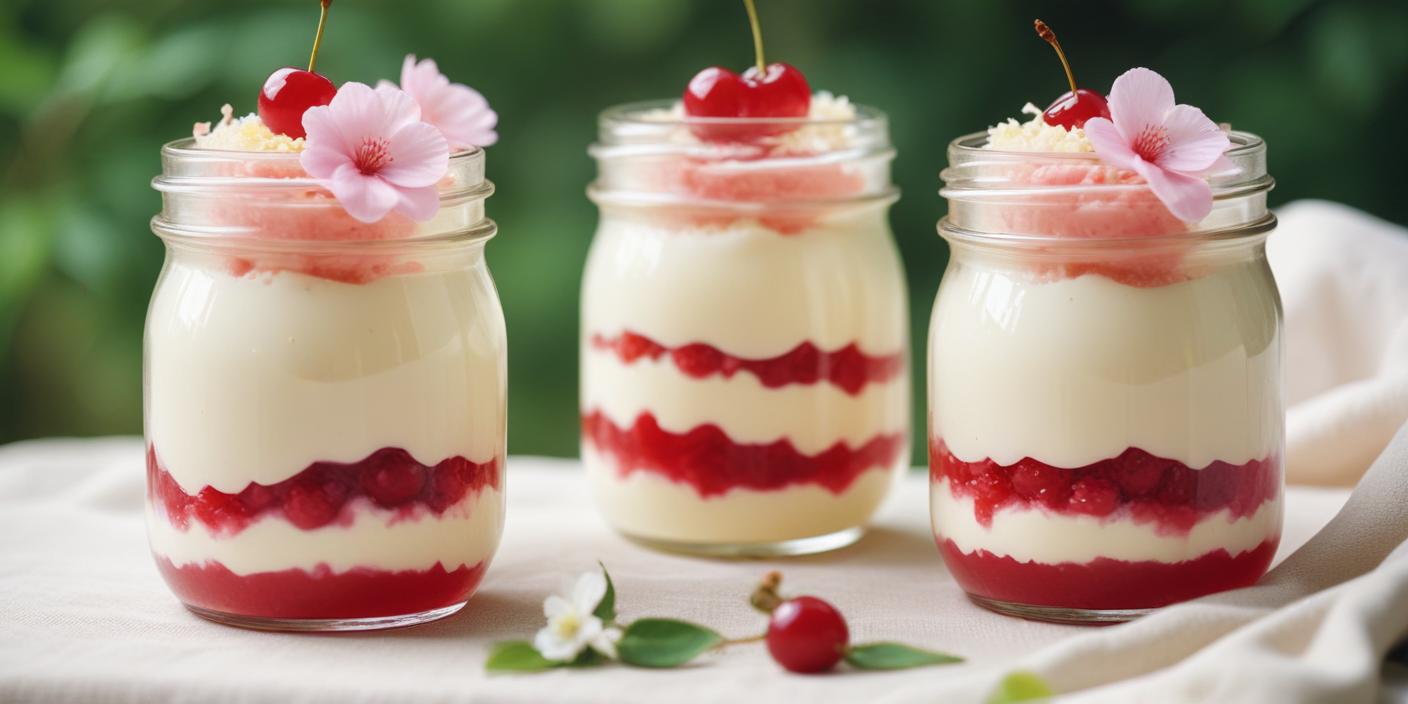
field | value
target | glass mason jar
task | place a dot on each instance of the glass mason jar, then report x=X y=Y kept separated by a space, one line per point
x=1105 y=397
x=324 y=398
x=744 y=331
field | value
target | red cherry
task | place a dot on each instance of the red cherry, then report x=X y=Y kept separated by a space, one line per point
x=1077 y=105
x=1071 y=111
x=807 y=635
x=287 y=93
x=780 y=91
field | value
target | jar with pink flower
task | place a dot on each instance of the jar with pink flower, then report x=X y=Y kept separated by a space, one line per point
x=325 y=359
x=1105 y=362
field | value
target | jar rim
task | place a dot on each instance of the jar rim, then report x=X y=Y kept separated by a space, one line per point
x=466 y=164
x=633 y=114
x=211 y=195
x=971 y=145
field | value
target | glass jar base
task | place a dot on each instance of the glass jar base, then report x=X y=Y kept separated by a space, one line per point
x=783 y=548
x=325 y=625
x=1059 y=614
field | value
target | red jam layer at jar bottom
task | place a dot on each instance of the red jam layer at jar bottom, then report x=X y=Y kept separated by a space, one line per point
x=706 y=459
x=847 y=368
x=1135 y=484
x=320 y=594
x=390 y=477
x=1104 y=584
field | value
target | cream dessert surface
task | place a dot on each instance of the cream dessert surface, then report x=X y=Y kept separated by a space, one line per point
x=1035 y=135
x=253 y=378
x=244 y=134
x=831 y=131
x=748 y=290
x=1076 y=371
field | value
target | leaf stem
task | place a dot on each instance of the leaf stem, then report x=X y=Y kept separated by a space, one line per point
x=318 y=38
x=757 y=37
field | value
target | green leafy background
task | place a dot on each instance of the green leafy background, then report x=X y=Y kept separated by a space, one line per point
x=90 y=90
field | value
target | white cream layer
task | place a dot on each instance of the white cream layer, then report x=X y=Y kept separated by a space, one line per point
x=254 y=378
x=812 y=416
x=1037 y=535
x=745 y=289
x=463 y=535
x=647 y=505
x=1074 y=371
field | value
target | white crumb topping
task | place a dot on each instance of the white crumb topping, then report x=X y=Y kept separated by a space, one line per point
x=244 y=134
x=1035 y=135
x=835 y=114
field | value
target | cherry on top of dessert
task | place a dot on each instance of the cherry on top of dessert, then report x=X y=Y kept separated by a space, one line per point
x=1077 y=105
x=288 y=92
x=764 y=90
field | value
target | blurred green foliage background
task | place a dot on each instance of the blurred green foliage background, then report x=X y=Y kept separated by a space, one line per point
x=89 y=90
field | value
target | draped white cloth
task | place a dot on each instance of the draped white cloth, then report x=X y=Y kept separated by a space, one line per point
x=84 y=616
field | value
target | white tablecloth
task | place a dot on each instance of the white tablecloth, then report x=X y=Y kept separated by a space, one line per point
x=85 y=617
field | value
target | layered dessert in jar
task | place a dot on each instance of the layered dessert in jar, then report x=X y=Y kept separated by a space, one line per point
x=1106 y=418
x=325 y=358
x=743 y=350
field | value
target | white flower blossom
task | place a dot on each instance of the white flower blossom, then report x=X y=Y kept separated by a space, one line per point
x=571 y=624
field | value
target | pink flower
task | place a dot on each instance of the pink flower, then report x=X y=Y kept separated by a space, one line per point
x=371 y=149
x=1173 y=147
x=461 y=113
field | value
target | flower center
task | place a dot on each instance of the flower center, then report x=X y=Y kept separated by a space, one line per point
x=372 y=155
x=1151 y=143
x=567 y=626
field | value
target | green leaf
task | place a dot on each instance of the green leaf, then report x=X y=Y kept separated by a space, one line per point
x=663 y=642
x=895 y=656
x=587 y=658
x=1020 y=686
x=517 y=656
x=606 y=608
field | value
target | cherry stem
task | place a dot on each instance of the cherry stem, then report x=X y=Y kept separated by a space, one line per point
x=765 y=598
x=1044 y=31
x=741 y=641
x=318 y=38
x=757 y=37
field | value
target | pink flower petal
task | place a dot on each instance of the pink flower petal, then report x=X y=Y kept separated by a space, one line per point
x=1109 y=144
x=419 y=157
x=1189 y=198
x=399 y=108
x=1223 y=165
x=323 y=130
x=358 y=113
x=1195 y=142
x=366 y=198
x=1139 y=98
x=323 y=161
x=419 y=204
x=458 y=111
